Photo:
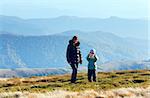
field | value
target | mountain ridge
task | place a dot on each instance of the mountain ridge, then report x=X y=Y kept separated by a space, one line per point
x=137 y=28
x=49 y=51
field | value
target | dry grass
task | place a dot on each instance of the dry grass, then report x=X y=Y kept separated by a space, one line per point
x=114 y=93
x=133 y=83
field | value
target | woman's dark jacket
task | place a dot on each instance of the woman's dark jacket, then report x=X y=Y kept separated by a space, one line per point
x=73 y=53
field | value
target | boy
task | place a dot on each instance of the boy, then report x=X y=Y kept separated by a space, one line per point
x=92 y=58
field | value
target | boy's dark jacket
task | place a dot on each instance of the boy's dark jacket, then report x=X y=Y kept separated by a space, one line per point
x=73 y=53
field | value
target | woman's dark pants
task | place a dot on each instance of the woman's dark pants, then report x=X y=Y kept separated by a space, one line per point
x=74 y=72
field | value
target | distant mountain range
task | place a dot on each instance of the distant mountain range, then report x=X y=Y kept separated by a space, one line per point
x=27 y=72
x=18 y=51
x=106 y=67
x=124 y=65
x=42 y=43
x=135 y=28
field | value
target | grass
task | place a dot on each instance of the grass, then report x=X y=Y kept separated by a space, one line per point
x=105 y=81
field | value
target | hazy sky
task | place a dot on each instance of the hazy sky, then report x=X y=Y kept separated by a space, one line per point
x=82 y=8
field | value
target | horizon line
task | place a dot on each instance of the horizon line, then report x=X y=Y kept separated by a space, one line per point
x=71 y=16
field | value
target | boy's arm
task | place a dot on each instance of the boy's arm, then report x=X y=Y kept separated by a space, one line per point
x=88 y=57
x=96 y=58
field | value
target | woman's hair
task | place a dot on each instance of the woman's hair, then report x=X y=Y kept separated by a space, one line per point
x=74 y=38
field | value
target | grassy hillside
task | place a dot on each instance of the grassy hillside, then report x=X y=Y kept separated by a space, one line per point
x=105 y=81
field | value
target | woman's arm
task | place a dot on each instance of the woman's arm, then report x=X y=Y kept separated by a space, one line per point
x=68 y=54
x=80 y=57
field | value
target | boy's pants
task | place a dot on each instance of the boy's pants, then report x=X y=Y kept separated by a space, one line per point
x=90 y=74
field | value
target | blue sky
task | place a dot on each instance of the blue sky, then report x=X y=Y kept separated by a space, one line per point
x=81 y=8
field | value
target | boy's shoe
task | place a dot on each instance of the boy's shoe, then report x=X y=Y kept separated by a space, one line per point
x=90 y=81
x=94 y=80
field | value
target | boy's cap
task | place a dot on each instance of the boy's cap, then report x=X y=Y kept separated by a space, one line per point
x=93 y=50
